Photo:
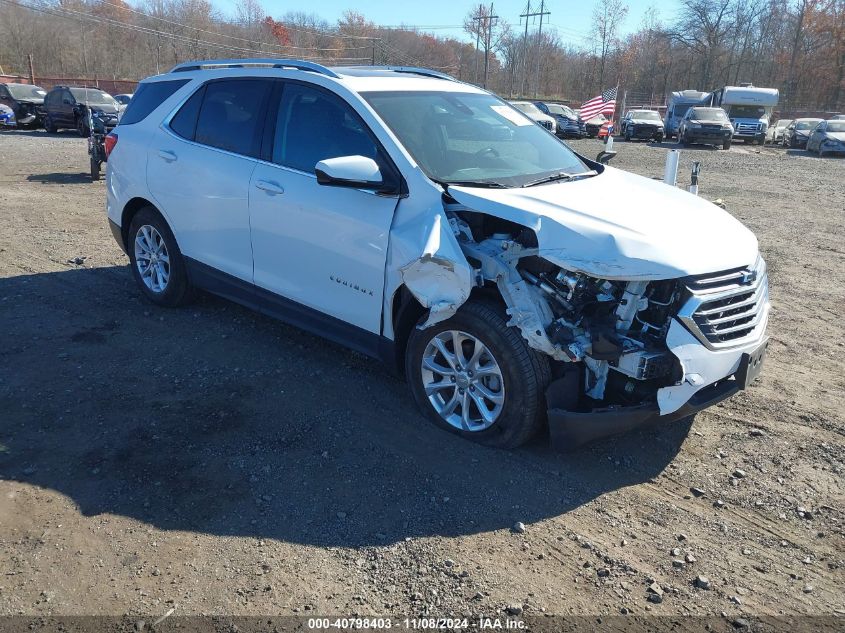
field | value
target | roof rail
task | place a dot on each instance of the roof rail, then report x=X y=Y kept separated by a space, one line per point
x=425 y=72
x=269 y=62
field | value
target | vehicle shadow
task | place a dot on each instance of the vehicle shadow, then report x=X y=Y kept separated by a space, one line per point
x=60 y=178
x=217 y=420
x=40 y=132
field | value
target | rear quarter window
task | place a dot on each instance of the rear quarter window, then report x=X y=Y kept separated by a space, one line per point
x=148 y=97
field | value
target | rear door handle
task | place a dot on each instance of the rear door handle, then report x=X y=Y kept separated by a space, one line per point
x=270 y=187
x=167 y=155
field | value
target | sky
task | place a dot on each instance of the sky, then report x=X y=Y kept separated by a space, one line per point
x=571 y=19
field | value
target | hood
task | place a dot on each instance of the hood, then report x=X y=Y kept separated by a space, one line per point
x=838 y=136
x=618 y=225
x=33 y=101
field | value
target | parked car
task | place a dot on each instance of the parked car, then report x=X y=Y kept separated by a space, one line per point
x=24 y=100
x=828 y=138
x=775 y=132
x=568 y=123
x=7 y=116
x=798 y=132
x=534 y=113
x=593 y=126
x=67 y=107
x=607 y=129
x=122 y=101
x=706 y=125
x=513 y=282
x=642 y=124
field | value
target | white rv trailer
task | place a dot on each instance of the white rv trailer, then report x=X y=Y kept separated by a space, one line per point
x=749 y=109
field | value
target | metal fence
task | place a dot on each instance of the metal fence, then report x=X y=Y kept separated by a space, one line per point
x=112 y=86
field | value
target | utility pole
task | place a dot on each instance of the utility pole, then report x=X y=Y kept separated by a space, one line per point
x=487 y=42
x=533 y=14
x=478 y=17
x=31 y=70
x=541 y=13
x=525 y=15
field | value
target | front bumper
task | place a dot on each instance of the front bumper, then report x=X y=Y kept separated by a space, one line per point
x=710 y=376
x=646 y=131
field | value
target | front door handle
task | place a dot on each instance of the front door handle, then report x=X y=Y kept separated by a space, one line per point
x=270 y=187
x=167 y=155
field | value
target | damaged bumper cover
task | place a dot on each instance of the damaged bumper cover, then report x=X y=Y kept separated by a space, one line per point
x=571 y=429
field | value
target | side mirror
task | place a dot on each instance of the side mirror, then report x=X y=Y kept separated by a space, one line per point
x=356 y=172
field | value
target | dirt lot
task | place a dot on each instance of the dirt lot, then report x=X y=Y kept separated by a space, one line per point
x=216 y=462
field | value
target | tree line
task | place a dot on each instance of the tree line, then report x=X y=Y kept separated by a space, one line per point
x=797 y=46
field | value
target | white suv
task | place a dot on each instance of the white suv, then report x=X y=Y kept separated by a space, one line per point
x=428 y=223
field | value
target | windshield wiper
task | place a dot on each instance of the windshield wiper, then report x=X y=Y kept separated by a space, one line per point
x=561 y=175
x=486 y=184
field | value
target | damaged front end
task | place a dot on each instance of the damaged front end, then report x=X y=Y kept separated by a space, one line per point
x=625 y=353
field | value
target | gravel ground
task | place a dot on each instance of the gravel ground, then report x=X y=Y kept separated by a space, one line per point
x=213 y=461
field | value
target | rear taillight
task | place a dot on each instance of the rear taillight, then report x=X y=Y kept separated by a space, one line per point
x=109 y=143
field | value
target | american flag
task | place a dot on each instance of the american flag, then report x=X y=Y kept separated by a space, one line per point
x=605 y=103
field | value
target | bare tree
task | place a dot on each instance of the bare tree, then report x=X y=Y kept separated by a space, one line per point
x=608 y=16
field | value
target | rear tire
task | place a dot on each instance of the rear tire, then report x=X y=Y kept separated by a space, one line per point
x=522 y=377
x=148 y=231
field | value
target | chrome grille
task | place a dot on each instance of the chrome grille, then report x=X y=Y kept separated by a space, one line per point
x=546 y=124
x=747 y=127
x=729 y=308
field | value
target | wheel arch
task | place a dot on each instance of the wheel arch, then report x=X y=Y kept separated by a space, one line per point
x=129 y=210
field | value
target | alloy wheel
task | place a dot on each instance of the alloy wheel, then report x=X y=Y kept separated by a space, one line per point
x=152 y=258
x=463 y=380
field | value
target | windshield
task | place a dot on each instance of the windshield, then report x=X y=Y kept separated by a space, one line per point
x=809 y=124
x=92 y=96
x=647 y=115
x=528 y=108
x=472 y=138
x=747 y=111
x=783 y=123
x=708 y=114
x=20 y=91
x=836 y=126
x=561 y=110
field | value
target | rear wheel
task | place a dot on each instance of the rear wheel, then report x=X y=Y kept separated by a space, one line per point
x=475 y=376
x=156 y=261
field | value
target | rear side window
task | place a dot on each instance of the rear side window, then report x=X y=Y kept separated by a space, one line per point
x=231 y=115
x=147 y=98
x=185 y=121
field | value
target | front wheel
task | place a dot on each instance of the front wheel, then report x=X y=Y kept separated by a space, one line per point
x=475 y=376
x=49 y=126
x=81 y=128
x=95 y=169
x=726 y=144
x=156 y=261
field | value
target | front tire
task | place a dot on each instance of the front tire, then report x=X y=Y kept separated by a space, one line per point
x=726 y=144
x=156 y=261
x=491 y=390
x=95 y=169
x=49 y=126
x=81 y=128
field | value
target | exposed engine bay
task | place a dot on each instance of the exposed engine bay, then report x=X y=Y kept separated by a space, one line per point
x=609 y=335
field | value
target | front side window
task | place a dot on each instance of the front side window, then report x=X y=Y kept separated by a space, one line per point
x=835 y=126
x=313 y=125
x=807 y=125
x=230 y=116
x=472 y=138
